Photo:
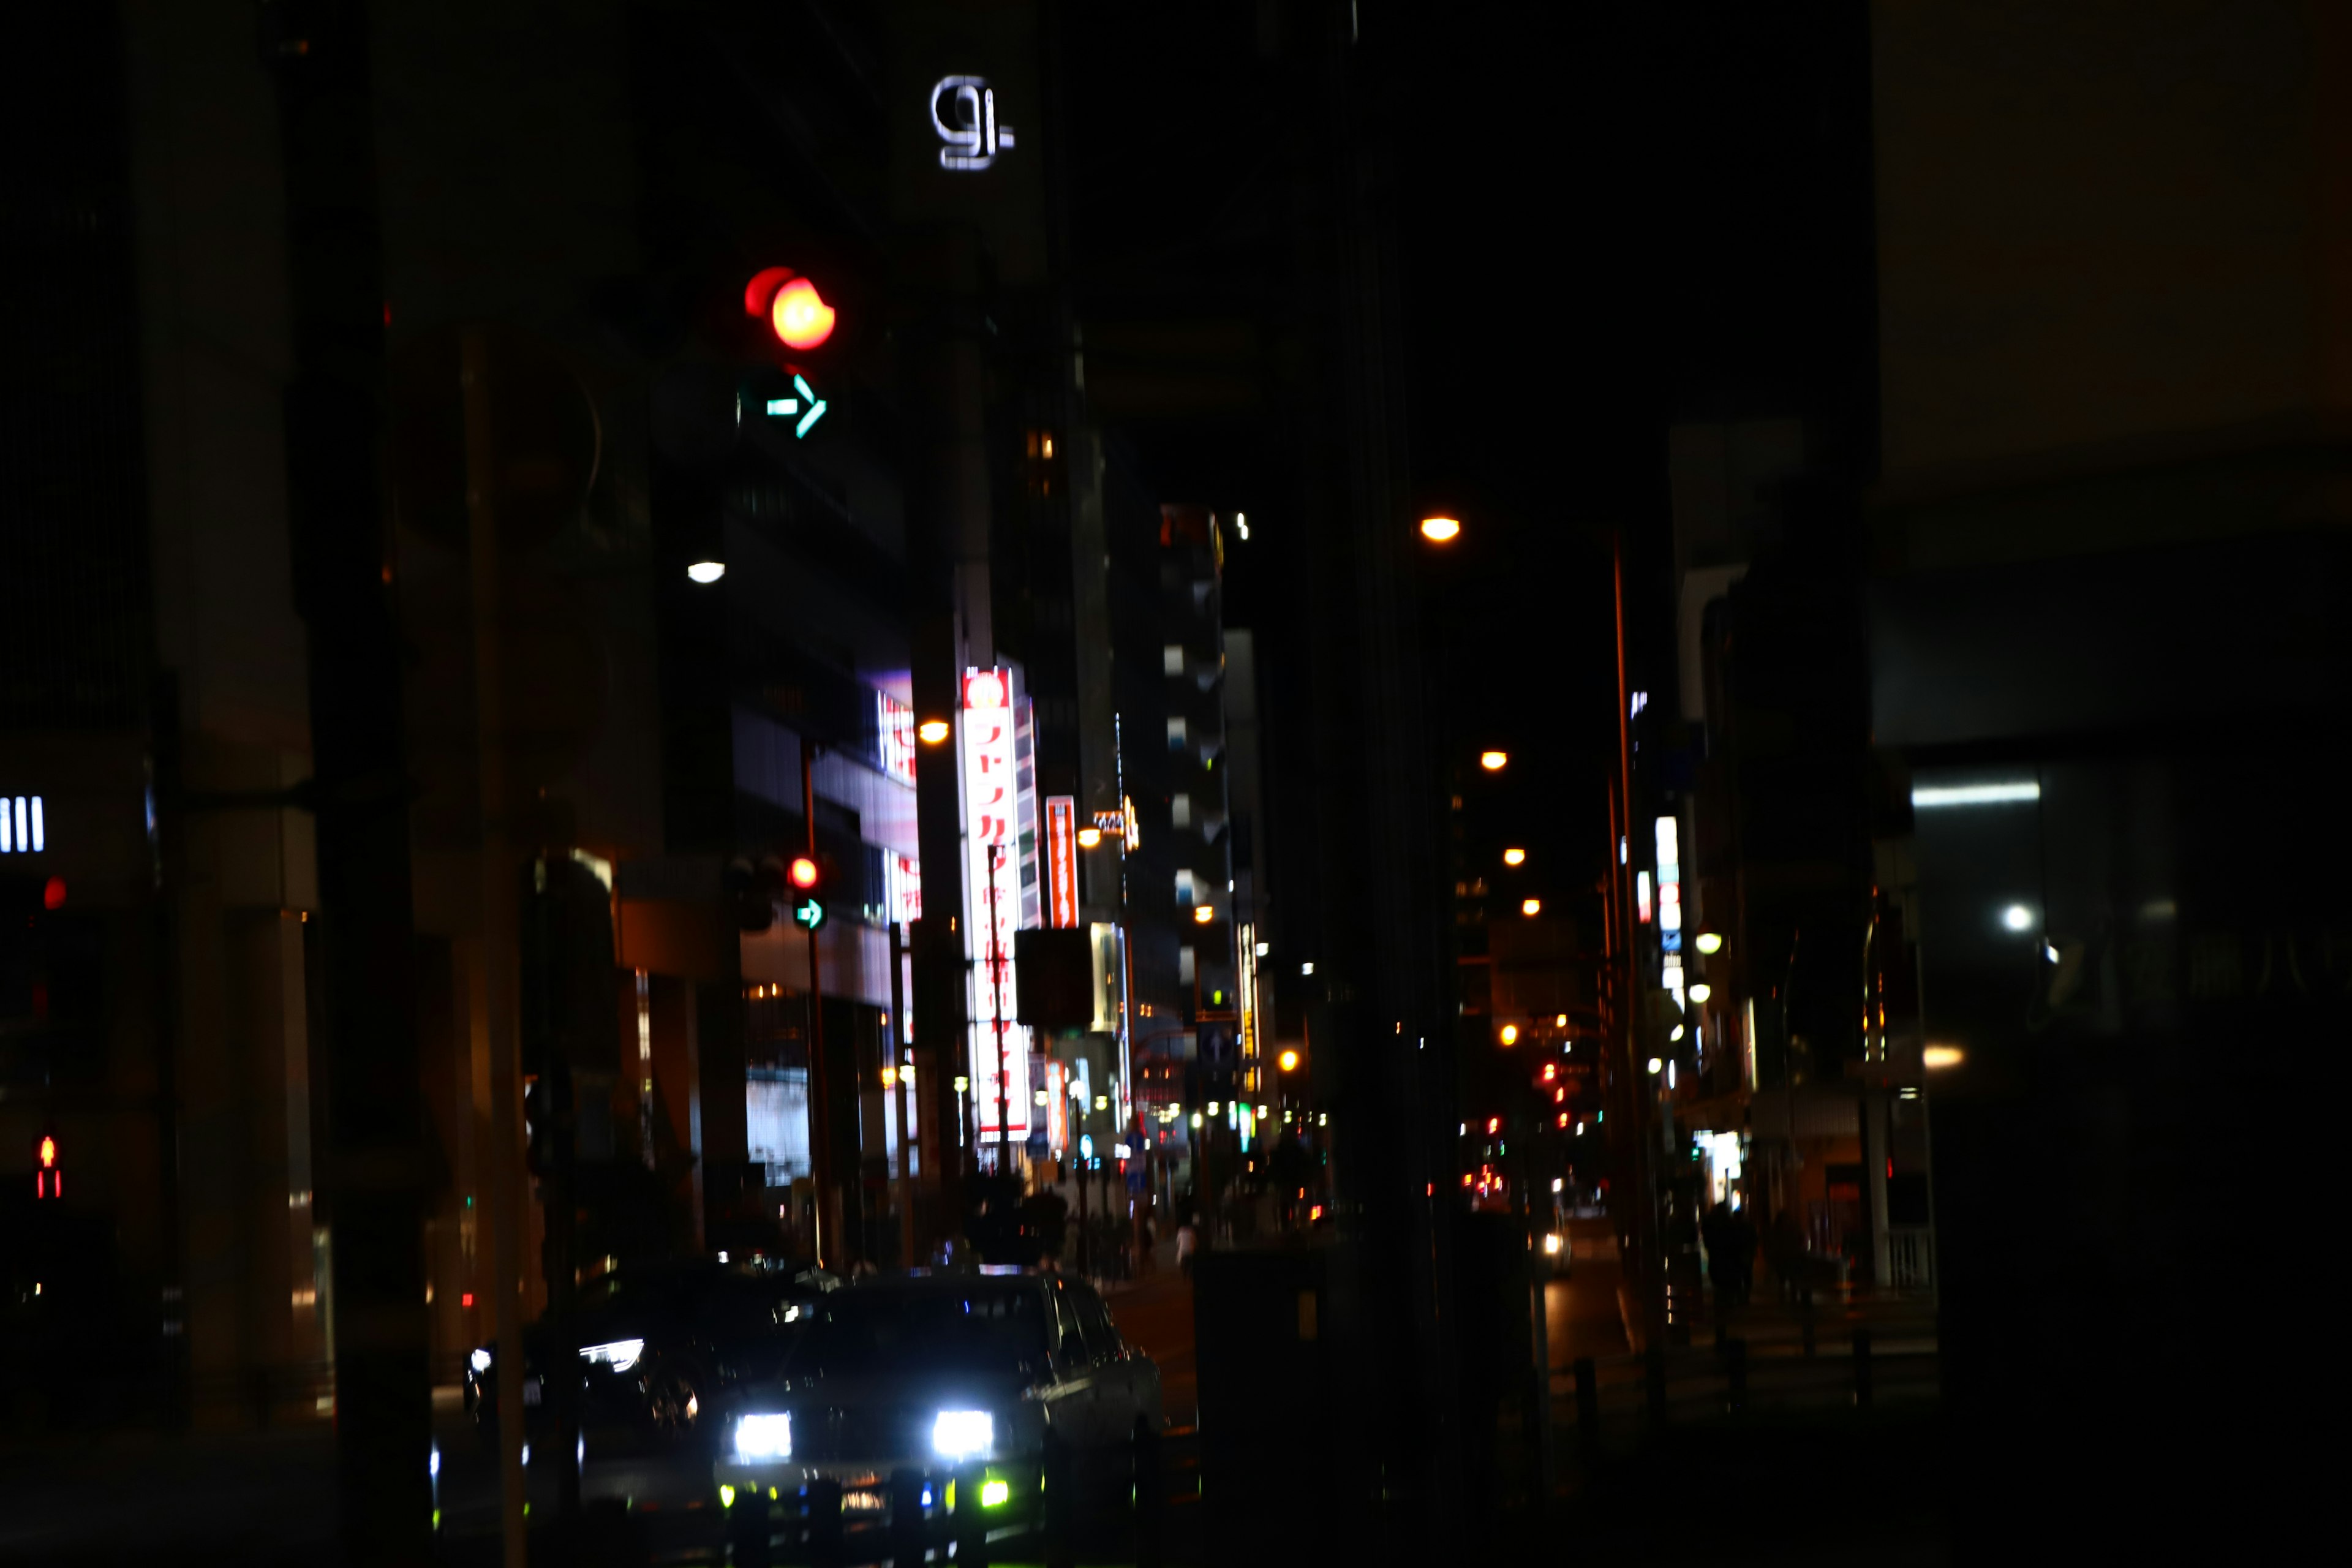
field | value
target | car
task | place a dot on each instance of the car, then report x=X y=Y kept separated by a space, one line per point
x=983 y=1378
x=662 y=1348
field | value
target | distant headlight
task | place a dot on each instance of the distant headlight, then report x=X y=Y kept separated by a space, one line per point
x=1551 y=1244
x=480 y=1360
x=620 y=1354
x=766 y=1436
x=964 y=1434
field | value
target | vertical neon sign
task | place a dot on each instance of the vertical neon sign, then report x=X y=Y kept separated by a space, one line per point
x=993 y=904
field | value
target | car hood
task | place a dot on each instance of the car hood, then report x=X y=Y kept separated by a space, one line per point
x=937 y=1389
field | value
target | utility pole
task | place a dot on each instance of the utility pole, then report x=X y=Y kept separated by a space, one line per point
x=509 y=1189
x=375 y=1173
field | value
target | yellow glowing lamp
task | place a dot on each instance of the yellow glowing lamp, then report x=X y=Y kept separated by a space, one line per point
x=1509 y=1035
x=1441 y=529
x=1514 y=857
x=1287 y=1061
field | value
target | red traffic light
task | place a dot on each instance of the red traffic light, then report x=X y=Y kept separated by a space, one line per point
x=792 y=305
x=803 y=872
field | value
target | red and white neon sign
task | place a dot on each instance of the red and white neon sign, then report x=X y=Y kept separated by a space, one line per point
x=992 y=830
x=1061 y=862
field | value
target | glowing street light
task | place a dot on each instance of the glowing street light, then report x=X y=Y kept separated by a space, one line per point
x=1701 y=991
x=706 y=572
x=1287 y=1061
x=1509 y=1035
x=1494 y=762
x=1202 y=915
x=1708 y=941
x=931 y=732
x=1531 y=907
x=1440 y=530
x=1938 y=1057
x=1514 y=857
x=1089 y=837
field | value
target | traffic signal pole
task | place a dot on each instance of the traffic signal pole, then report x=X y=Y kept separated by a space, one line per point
x=829 y=1213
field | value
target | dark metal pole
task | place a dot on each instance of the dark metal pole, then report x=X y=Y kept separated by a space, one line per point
x=374 y=1169
x=828 y=1216
x=1654 y=1275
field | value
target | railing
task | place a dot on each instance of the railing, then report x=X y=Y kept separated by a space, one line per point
x=1911 y=1258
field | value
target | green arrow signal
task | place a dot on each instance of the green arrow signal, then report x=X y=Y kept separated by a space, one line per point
x=808 y=406
x=808 y=911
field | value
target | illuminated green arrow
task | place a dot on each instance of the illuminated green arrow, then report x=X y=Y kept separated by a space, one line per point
x=808 y=406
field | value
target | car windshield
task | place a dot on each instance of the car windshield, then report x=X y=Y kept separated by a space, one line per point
x=856 y=1333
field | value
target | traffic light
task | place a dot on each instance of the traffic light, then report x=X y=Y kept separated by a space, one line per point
x=809 y=880
x=796 y=321
x=48 y=1168
x=754 y=889
x=793 y=308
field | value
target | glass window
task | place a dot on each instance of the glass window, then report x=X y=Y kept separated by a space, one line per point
x=1094 y=1317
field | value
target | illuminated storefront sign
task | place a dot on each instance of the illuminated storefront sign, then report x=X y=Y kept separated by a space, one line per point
x=902 y=877
x=1061 y=862
x=963 y=113
x=893 y=729
x=993 y=904
x=1670 y=886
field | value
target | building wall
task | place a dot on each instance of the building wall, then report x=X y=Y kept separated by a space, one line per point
x=2101 y=227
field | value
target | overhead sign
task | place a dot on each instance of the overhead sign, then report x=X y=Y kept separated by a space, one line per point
x=1061 y=861
x=993 y=904
x=963 y=113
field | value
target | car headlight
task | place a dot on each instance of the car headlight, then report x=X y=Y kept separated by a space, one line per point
x=1551 y=1244
x=964 y=1434
x=620 y=1354
x=480 y=1360
x=764 y=1436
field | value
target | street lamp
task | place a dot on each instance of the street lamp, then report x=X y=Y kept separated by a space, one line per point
x=1701 y=991
x=1514 y=857
x=931 y=732
x=1440 y=530
x=1287 y=1061
x=1708 y=941
x=1494 y=762
x=1531 y=907
x=1509 y=1035
x=706 y=572
x=1202 y=915
x=1089 y=837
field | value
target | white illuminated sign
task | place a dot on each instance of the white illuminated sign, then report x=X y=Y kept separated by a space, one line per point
x=992 y=901
x=963 y=111
x=1670 y=886
x=22 y=829
x=894 y=728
